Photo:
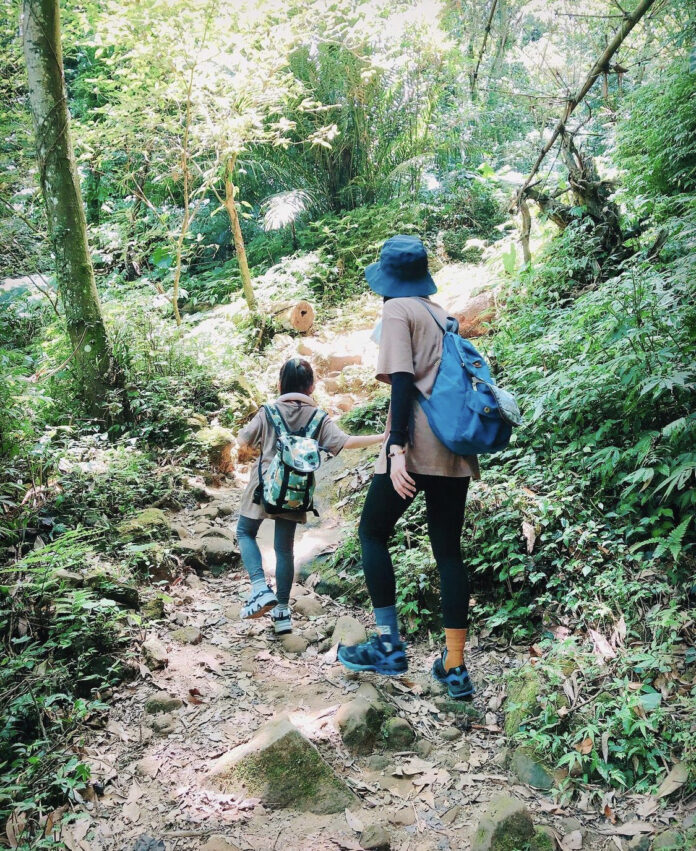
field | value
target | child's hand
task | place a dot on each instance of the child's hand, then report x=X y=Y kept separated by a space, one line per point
x=247 y=453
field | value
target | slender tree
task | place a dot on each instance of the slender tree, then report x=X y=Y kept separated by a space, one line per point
x=61 y=191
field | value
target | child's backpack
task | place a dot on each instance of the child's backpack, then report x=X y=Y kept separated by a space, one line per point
x=466 y=410
x=288 y=484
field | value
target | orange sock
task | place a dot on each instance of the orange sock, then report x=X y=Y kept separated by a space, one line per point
x=455 y=640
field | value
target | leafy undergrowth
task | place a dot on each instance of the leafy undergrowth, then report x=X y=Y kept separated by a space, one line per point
x=62 y=646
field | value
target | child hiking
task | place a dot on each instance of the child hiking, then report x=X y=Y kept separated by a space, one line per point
x=413 y=459
x=289 y=433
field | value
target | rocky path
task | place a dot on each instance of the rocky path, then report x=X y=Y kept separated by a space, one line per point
x=334 y=761
x=231 y=738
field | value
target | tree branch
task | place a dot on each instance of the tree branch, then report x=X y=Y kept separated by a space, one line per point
x=600 y=65
x=486 y=33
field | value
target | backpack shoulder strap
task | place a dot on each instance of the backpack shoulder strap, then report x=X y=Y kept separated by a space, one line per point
x=315 y=423
x=276 y=420
x=444 y=328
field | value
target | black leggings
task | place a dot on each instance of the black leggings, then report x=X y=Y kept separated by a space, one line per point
x=445 y=499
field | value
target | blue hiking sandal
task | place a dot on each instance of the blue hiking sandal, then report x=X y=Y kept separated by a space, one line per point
x=258 y=604
x=281 y=620
x=372 y=655
x=459 y=686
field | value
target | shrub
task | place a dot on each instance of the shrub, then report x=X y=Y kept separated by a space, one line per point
x=656 y=141
x=59 y=646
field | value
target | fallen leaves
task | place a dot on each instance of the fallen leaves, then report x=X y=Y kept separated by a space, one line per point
x=529 y=533
x=73 y=835
x=354 y=822
x=676 y=778
x=14 y=828
x=631 y=828
x=195 y=696
x=601 y=647
x=585 y=746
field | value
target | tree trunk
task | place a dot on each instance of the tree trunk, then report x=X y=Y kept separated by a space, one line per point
x=231 y=207
x=525 y=231
x=61 y=191
x=474 y=77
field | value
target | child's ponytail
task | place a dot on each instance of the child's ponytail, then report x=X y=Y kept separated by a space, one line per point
x=296 y=376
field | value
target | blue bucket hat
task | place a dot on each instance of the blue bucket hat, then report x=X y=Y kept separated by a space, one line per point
x=402 y=269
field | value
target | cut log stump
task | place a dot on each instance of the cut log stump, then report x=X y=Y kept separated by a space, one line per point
x=294 y=316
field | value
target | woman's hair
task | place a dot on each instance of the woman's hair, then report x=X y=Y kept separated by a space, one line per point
x=296 y=376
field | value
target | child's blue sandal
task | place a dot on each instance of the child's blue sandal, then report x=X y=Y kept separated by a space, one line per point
x=258 y=604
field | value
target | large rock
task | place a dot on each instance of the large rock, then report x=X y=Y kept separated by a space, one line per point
x=162 y=702
x=155 y=654
x=530 y=770
x=293 y=643
x=216 y=553
x=218 y=532
x=375 y=837
x=220 y=446
x=220 y=551
x=348 y=631
x=521 y=703
x=309 y=606
x=669 y=840
x=153 y=609
x=398 y=734
x=188 y=635
x=358 y=723
x=506 y=825
x=146 y=524
x=106 y=583
x=475 y=313
x=283 y=769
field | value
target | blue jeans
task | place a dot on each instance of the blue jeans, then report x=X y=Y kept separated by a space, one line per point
x=283 y=543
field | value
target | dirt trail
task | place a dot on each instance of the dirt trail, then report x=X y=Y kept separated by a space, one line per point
x=238 y=678
x=226 y=678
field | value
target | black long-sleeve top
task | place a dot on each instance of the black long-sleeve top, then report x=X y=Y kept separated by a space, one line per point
x=401 y=403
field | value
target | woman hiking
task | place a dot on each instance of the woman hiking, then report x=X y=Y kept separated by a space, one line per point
x=412 y=460
x=293 y=412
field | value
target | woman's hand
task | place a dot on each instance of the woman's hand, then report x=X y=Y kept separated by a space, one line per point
x=403 y=483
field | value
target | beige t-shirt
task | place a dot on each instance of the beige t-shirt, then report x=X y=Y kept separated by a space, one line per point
x=411 y=341
x=259 y=433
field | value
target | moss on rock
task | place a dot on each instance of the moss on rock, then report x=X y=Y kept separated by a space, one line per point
x=398 y=734
x=283 y=769
x=220 y=446
x=530 y=770
x=522 y=693
x=541 y=841
x=146 y=524
x=506 y=826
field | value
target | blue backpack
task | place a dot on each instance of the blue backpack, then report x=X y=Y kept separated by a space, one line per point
x=466 y=411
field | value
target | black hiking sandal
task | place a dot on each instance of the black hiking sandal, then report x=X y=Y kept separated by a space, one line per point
x=459 y=685
x=372 y=655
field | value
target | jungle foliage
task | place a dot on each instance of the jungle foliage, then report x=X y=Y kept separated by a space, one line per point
x=325 y=128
